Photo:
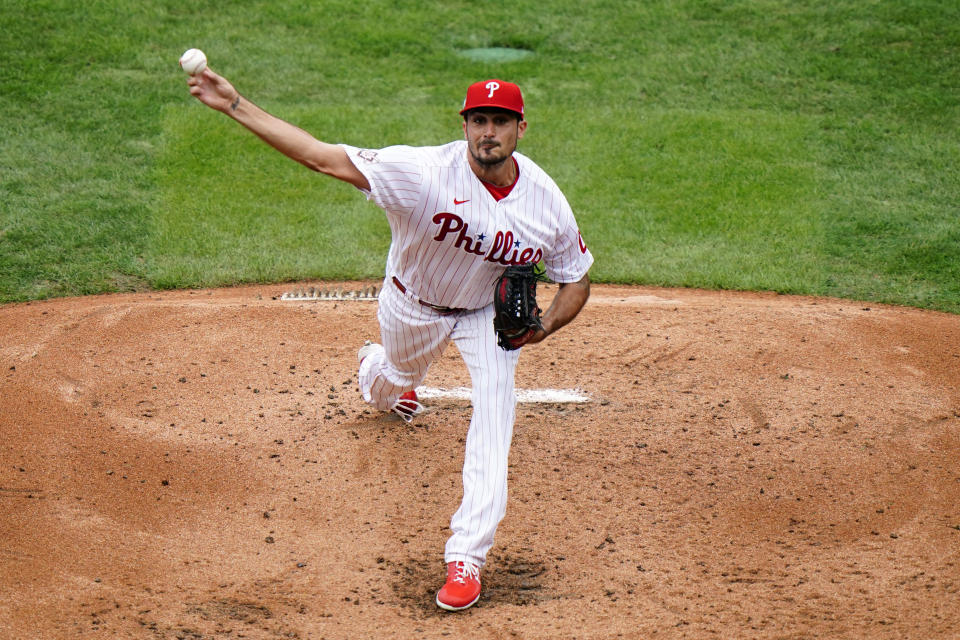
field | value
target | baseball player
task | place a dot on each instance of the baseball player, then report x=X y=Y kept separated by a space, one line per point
x=459 y=215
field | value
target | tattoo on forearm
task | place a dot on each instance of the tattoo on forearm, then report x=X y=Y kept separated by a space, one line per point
x=236 y=103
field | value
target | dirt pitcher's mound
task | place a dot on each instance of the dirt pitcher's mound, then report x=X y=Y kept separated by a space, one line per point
x=200 y=465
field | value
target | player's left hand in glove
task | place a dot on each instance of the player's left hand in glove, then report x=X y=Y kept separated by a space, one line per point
x=516 y=315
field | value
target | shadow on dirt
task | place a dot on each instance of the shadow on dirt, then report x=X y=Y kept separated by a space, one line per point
x=507 y=579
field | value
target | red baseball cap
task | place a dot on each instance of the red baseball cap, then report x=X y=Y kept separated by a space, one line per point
x=497 y=94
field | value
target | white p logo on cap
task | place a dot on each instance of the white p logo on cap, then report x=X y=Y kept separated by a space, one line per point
x=493 y=86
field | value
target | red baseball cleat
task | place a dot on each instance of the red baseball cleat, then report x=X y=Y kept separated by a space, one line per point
x=462 y=589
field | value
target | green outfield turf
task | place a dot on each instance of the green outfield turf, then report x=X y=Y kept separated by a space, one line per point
x=801 y=147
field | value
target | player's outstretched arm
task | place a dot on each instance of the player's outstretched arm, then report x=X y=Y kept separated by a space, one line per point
x=217 y=93
x=568 y=302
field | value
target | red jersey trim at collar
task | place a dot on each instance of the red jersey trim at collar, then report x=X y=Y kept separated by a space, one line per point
x=499 y=193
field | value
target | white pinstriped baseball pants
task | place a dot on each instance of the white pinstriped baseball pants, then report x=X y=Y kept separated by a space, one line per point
x=413 y=336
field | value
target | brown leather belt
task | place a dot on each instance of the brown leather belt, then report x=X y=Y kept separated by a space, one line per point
x=444 y=311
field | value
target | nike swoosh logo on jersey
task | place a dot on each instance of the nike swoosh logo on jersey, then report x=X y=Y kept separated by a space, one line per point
x=455 y=201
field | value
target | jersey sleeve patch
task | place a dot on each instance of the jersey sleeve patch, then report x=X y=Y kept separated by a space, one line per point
x=367 y=155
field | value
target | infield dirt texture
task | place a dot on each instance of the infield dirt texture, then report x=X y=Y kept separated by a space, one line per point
x=199 y=464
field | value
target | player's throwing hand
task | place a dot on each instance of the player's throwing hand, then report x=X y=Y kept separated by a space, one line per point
x=214 y=90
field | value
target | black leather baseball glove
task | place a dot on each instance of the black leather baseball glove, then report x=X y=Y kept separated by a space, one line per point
x=516 y=314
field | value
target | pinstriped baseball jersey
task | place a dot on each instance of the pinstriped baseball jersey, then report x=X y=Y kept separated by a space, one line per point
x=451 y=238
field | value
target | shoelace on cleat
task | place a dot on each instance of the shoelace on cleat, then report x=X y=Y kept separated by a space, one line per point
x=466 y=570
x=407 y=409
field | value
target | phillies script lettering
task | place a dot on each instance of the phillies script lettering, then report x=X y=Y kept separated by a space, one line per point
x=504 y=250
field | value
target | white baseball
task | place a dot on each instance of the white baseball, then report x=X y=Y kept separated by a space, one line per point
x=193 y=61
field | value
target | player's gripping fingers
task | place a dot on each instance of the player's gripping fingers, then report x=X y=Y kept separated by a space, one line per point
x=212 y=90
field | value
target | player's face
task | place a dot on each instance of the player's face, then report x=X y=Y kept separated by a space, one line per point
x=492 y=135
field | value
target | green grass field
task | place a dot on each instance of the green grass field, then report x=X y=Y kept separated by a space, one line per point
x=801 y=147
